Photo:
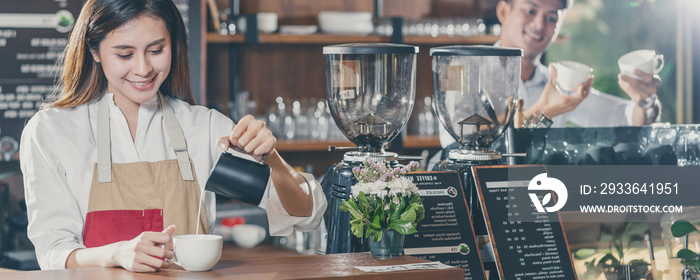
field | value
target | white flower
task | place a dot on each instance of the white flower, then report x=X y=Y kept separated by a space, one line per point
x=402 y=186
x=398 y=186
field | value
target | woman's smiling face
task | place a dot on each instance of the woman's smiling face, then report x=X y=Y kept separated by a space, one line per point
x=136 y=59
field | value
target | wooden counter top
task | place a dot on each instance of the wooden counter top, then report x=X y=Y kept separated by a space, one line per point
x=262 y=262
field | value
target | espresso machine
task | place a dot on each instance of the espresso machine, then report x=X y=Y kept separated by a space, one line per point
x=475 y=93
x=370 y=93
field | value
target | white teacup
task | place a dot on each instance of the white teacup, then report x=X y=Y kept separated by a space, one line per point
x=645 y=60
x=267 y=22
x=248 y=236
x=197 y=252
x=571 y=74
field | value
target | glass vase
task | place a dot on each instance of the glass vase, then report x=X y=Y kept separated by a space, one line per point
x=390 y=245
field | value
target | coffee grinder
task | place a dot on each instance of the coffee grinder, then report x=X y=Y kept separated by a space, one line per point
x=475 y=92
x=370 y=93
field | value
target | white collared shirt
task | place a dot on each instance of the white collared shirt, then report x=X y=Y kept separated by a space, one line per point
x=59 y=152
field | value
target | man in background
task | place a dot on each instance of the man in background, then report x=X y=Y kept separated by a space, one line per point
x=533 y=25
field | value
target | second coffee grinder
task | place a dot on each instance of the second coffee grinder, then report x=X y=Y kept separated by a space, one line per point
x=475 y=91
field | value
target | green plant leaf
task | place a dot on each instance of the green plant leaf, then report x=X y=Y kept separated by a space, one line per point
x=376 y=223
x=344 y=206
x=415 y=198
x=681 y=228
x=365 y=208
x=375 y=234
x=608 y=260
x=635 y=240
x=352 y=203
x=619 y=249
x=379 y=213
x=605 y=237
x=420 y=210
x=408 y=216
x=636 y=227
x=357 y=227
x=687 y=254
x=362 y=198
x=395 y=216
x=403 y=227
x=392 y=209
x=355 y=214
x=584 y=253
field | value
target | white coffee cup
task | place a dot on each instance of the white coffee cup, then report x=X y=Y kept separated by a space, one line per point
x=248 y=236
x=197 y=252
x=571 y=74
x=648 y=61
x=267 y=22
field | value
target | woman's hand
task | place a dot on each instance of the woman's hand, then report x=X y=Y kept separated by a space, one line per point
x=146 y=252
x=250 y=136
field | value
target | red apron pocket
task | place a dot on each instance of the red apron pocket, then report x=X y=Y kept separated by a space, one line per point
x=109 y=226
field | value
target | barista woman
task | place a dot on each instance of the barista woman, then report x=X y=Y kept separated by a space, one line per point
x=123 y=152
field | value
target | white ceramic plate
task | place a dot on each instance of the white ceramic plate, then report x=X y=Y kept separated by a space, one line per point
x=298 y=29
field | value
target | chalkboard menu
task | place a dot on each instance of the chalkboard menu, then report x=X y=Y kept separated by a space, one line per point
x=33 y=34
x=446 y=233
x=527 y=244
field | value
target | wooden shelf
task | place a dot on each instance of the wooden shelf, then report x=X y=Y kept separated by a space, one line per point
x=421 y=142
x=454 y=40
x=321 y=38
x=310 y=145
x=276 y=38
x=410 y=142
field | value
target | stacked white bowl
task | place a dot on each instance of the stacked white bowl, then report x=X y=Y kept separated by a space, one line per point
x=353 y=23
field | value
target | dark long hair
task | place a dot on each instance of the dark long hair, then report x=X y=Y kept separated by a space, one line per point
x=82 y=78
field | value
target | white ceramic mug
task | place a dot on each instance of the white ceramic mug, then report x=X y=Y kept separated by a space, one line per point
x=267 y=22
x=571 y=74
x=648 y=61
x=248 y=236
x=197 y=252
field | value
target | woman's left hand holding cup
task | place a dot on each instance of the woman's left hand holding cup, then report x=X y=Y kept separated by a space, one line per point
x=250 y=136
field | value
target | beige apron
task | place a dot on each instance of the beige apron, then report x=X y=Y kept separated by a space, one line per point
x=127 y=199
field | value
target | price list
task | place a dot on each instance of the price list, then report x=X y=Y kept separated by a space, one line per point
x=527 y=244
x=33 y=34
x=446 y=233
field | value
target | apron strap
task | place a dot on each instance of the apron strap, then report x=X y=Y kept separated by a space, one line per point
x=104 y=151
x=177 y=139
x=104 y=154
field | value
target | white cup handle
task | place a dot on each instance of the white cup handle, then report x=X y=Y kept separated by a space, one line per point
x=659 y=62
